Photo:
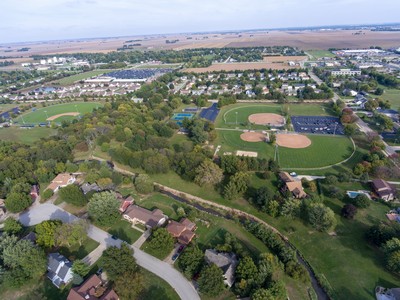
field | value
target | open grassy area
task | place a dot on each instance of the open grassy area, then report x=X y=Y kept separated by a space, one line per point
x=81 y=76
x=320 y=53
x=8 y=106
x=25 y=135
x=352 y=266
x=77 y=251
x=323 y=151
x=124 y=231
x=227 y=116
x=393 y=96
x=156 y=288
x=41 y=115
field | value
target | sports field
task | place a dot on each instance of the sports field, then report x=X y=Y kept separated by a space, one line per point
x=241 y=112
x=25 y=135
x=59 y=112
x=323 y=151
x=81 y=76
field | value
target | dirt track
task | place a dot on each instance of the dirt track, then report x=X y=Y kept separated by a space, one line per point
x=52 y=118
x=267 y=119
x=253 y=137
x=296 y=141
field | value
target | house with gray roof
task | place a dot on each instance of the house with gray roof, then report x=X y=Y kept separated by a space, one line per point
x=227 y=262
x=59 y=269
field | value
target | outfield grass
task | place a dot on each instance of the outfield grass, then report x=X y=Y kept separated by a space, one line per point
x=81 y=76
x=228 y=114
x=323 y=151
x=320 y=53
x=41 y=114
x=24 y=135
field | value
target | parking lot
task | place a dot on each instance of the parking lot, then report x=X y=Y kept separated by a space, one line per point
x=138 y=73
x=317 y=125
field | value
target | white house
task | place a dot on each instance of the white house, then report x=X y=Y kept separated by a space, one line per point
x=59 y=269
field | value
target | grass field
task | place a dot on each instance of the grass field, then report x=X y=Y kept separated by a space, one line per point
x=324 y=150
x=8 y=106
x=320 y=53
x=41 y=114
x=227 y=115
x=81 y=76
x=26 y=136
x=393 y=96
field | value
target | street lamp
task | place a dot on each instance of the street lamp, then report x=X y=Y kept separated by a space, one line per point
x=46 y=114
x=236 y=117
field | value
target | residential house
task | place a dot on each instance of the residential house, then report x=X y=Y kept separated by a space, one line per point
x=125 y=203
x=227 y=262
x=87 y=187
x=292 y=185
x=92 y=289
x=59 y=269
x=383 y=189
x=61 y=180
x=150 y=219
x=183 y=230
x=34 y=192
x=345 y=72
x=31 y=236
x=390 y=113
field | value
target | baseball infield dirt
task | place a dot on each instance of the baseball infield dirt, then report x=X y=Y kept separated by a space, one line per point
x=253 y=137
x=267 y=119
x=296 y=141
x=73 y=114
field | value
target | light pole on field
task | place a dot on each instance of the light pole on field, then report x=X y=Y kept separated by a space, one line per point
x=46 y=114
x=236 y=116
x=76 y=109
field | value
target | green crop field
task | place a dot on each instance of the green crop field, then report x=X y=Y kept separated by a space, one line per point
x=41 y=114
x=320 y=53
x=81 y=76
x=227 y=116
x=324 y=150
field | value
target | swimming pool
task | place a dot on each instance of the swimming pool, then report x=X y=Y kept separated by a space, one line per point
x=353 y=194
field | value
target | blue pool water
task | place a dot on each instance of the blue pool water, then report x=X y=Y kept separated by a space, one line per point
x=353 y=194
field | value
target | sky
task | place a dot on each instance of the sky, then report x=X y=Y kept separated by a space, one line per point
x=38 y=20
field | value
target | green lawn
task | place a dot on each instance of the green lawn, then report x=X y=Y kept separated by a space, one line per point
x=7 y=106
x=352 y=267
x=79 y=252
x=393 y=96
x=81 y=76
x=41 y=114
x=124 y=231
x=323 y=151
x=156 y=288
x=25 y=135
x=161 y=254
x=227 y=116
x=320 y=53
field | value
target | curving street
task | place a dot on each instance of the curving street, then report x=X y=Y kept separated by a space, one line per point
x=182 y=286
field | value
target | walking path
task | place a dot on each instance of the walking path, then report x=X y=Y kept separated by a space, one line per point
x=182 y=286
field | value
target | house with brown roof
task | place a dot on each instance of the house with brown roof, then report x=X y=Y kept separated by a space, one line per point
x=292 y=185
x=383 y=189
x=61 y=180
x=136 y=214
x=227 y=262
x=182 y=230
x=92 y=289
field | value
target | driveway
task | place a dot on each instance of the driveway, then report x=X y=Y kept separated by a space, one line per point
x=181 y=285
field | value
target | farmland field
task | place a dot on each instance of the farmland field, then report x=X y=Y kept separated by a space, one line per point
x=240 y=66
x=26 y=136
x=320 y=53
x=323 y=151
x=41 y=115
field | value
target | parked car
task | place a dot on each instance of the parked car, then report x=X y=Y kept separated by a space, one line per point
x=181 y=247
x=114 y=237
x=99 y=271
x=175 y=256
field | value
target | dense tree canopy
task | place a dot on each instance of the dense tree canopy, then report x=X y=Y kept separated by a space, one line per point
x=103 y=208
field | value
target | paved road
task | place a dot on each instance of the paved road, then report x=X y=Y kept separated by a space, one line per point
x=182 y=286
